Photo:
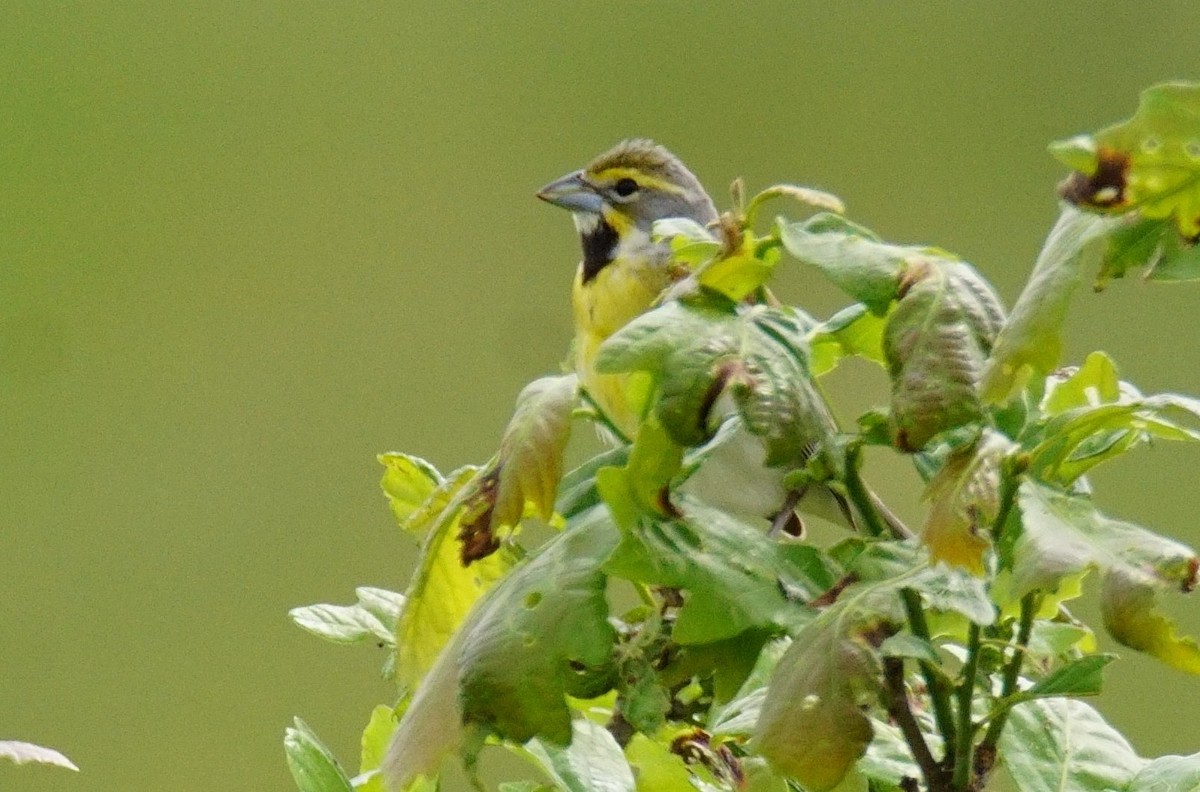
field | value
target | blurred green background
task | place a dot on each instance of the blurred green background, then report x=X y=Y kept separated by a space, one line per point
x=246 y=246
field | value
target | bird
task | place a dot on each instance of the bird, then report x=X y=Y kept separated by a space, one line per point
x=615 y=201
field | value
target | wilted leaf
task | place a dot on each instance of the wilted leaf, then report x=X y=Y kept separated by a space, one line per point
x=593 y=762
x=733 y=576
x=1149 y=163
x=442 y=590
x=531 y=452
x=1063 y=745
x=812 y=726
x=313 y=766
x=815 y=199
x=964 y=502
x=23 y=753
x=1128 y=605
x=407 y=482
x=1029 y=345
x=935 y=342
x=1168 y=774
x=542 y=633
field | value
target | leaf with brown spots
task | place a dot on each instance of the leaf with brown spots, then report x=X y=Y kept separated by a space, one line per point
x=1149 y=163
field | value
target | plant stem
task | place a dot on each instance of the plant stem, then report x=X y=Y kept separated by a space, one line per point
x=867 y=503
x=602 y=417
x=1012 y=671
x=939 y=694
x=898 y=707
x=964 y=754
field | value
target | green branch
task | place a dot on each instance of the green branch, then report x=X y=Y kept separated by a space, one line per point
x=1012 y=673
x=935 y=683
x=964 y=754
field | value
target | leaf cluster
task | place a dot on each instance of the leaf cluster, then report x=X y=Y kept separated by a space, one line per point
x=650 y=636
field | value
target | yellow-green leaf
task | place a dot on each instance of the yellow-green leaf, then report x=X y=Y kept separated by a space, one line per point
x=964 y=498
x=1149 y=163
x=407 y=482
x=1131 y=616
x=442 y=591
x=531 y=453
x=1029 y=345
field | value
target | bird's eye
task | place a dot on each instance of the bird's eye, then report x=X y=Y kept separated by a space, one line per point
x=626 y=187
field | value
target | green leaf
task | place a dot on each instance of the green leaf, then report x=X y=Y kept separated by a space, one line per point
x=1081 y=677
x=407 y=482
x=1054 y=639
x=740 y=273
x=964 y=502
x=1128 y=605
x=1168 y=774
x=738 y=716
x=936 y=341
x=1149 y=163
x=640 y=487
x=888 y=760
x=593 y=762
x=1029 y=345
x=700 y=349
x=909 y=646
x=734 y=577
x=1095 y=382
x=1073 y=442
x=372 y=619
x=1153 y=244
x=1063 y=534
x=312 y=764
x=1063 y=745
x=851 y=256
x=443 y=589
x=531 y=451
x=542 y=633
x=658 y=769
x=22 y=753
x=431 y=727
x=852 y=331
x=812 y=725
x=375 y=738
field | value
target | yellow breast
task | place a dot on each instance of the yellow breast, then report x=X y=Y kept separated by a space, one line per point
x=617 y=294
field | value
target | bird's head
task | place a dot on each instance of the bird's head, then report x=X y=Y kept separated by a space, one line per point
x=618 y=196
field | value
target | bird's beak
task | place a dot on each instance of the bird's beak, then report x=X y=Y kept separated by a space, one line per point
x=572 y=192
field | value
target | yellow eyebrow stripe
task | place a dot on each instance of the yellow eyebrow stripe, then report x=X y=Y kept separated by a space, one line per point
x=612 y=175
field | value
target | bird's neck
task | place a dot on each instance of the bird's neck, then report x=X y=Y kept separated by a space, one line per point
x=599 y=242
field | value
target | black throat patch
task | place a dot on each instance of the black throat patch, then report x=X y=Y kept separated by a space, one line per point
x=599 y=244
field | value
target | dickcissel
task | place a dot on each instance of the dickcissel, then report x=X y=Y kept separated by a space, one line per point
x=615 y=202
